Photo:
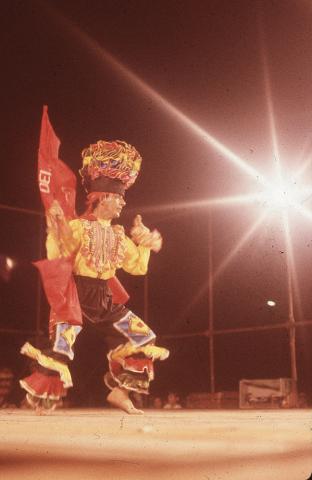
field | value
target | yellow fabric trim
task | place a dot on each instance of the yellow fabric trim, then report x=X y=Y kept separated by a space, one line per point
x=138 y=327
x=49 y=363
x=150 y=351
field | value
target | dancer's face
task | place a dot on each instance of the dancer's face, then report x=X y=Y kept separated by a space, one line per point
x=110 y=206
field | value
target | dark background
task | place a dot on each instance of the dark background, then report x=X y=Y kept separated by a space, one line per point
x=205 y=58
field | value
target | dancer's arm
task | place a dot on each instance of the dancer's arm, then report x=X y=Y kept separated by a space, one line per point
x=138 y=249
x=63 y=236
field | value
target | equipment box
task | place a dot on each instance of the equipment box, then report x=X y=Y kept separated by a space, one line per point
x=269 y=393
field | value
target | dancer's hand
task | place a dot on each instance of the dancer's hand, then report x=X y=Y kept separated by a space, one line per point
x=56 y=221
x=139 y=230
x=143 y=236
x=56 y=210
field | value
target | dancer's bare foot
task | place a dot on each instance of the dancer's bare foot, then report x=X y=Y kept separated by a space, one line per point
x=40 y=411
x=119 y=398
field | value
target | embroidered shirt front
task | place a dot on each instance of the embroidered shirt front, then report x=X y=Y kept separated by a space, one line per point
x=98 y=249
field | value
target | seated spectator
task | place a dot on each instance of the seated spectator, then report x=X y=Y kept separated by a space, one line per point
x=157 y=403
x=6 y=387
x=172 y=401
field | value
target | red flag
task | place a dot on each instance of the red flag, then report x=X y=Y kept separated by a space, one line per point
x=60 y=289
x=56 y=181
x=120 y=295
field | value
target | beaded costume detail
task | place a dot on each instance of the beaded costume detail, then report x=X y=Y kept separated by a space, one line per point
x=103 y=246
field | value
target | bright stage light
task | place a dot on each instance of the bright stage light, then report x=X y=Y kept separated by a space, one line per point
x=281 y=197
x=284 y=195
x=271 y=303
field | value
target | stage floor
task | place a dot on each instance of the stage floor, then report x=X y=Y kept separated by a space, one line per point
x=186 y=444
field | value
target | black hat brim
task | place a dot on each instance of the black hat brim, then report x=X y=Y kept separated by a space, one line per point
x=104 y=184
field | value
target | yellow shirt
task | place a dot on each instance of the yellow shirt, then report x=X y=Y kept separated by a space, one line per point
x=98 y=249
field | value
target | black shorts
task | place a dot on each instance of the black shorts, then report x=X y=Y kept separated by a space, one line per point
x=95 y=298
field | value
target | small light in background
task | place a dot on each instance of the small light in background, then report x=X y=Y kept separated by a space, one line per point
x=6 y=266
x=271 y=303
x=10 y=263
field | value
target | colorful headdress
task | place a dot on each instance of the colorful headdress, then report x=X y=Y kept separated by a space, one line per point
x=109 y=166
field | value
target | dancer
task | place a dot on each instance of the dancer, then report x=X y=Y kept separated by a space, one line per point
x=79 y=279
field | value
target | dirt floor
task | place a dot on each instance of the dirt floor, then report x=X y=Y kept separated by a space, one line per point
x=186 y=444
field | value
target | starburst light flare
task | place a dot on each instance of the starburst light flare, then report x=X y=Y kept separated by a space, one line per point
x=284 y=195
x=292 y=277
x=227 y=201
x=143 y=87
